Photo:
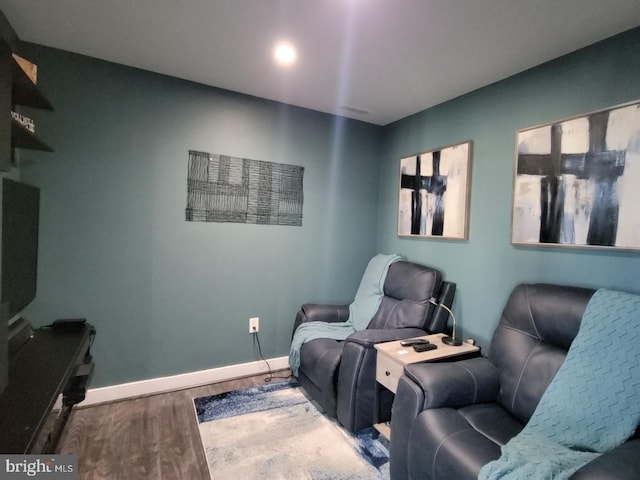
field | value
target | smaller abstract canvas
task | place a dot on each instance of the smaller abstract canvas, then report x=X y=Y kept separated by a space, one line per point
x=576 y=181
x=434 y=193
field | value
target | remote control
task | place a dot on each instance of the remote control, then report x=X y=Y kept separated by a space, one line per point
x=414 y=341
x=425 y=347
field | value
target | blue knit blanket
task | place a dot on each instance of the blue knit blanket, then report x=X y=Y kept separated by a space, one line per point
x=361 y=310
x=591 y=405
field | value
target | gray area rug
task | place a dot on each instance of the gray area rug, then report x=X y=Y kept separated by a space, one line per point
x=275 y=432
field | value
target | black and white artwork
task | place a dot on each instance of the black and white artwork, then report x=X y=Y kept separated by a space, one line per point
x=222 y=188
x=577 y=181
x=434 y=193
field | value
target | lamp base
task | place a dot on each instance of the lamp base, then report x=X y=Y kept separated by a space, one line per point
x=454 y=342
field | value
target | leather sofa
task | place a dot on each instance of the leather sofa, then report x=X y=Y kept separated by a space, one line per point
x=340 y=375
x=449 y=419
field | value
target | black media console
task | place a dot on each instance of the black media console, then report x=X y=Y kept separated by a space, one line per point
x=51 y=362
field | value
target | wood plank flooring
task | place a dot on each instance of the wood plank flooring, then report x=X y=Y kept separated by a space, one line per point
x=154 y=437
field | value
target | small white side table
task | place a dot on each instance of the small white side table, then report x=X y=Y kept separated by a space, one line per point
x=392 y=357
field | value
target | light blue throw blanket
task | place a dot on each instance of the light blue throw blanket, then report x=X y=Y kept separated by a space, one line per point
x=591 y=405
x=361 y=310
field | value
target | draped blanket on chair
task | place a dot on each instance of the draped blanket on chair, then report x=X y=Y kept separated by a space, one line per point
x=361 y=310
x=591 y=405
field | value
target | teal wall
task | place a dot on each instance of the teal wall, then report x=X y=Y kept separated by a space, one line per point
x=169 y=296
x=487 y=267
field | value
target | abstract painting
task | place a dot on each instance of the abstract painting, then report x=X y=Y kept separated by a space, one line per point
x=434 y=193
x=577 y=181
x=221 y=188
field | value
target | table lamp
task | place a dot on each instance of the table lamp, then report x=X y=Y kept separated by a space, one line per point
x=449 y=340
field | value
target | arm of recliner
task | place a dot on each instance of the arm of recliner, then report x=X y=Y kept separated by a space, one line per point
x=316 y=312
x=370 y=337
x=455 y=384
x=433 y=385
x=621 y=463
x=357 y=375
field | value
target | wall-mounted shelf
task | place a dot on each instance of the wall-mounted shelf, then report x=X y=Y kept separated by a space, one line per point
x=24 y=91
x=23 y=138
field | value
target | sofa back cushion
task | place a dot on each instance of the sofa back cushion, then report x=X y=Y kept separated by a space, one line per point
x=407 y=290
x=536 y=329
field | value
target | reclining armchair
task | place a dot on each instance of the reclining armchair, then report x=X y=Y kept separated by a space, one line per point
x=450 y=419
x=340 y=375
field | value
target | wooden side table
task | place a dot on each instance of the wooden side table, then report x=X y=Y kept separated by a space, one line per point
x=391 y=358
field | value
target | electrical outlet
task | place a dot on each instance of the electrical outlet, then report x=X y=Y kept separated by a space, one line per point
x=254 y=325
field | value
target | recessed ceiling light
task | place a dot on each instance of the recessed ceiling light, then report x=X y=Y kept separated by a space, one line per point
x=284 y=54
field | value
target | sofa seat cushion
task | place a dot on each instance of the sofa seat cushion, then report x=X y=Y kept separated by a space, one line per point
x=463 y=440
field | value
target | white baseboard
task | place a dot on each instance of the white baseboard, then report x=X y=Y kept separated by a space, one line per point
x=179 y=382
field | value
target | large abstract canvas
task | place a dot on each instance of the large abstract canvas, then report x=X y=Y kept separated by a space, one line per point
x=434 y=193
x=577 y=181
x=221 y=188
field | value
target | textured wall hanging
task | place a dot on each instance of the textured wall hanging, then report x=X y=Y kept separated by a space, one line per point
x=239 y=190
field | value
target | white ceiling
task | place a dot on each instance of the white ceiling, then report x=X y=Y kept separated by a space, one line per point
x=373 y=60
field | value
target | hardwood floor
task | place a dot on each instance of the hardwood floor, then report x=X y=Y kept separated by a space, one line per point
x=153 y=437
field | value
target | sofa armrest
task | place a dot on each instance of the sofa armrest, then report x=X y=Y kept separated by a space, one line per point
x=433 y=385
x=621 y=463
x=370 y=337
x=357 y=385
x=316 y=312
x=456 y=383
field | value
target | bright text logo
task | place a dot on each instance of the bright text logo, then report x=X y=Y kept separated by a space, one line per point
x=50 y=467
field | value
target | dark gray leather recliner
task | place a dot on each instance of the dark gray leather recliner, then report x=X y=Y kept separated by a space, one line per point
x=340 y=375
x=450 y=419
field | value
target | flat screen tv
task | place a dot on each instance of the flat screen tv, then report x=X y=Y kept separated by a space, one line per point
x=20 y=218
